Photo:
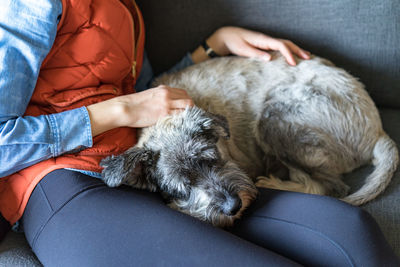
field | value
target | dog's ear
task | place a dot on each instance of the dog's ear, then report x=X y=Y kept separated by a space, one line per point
x=130 y=168
x=219 y=125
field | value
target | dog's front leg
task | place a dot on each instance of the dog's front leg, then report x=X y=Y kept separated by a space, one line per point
x=129 y=168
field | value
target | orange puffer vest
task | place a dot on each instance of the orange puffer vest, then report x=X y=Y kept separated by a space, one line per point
x=96 y=55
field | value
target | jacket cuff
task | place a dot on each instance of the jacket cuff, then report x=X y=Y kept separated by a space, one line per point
x=185 y=62
x=71 y=131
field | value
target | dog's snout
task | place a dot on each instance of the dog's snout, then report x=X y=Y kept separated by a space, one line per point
x=232 y=206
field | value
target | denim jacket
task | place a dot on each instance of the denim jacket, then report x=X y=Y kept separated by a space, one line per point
x=27 y=32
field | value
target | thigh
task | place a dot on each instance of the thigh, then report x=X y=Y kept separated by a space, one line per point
x=75 y=220
x=315 y=230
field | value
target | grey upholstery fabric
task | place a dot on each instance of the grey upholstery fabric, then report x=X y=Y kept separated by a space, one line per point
x=386 y=208
x=361 y=36
x=15 y=252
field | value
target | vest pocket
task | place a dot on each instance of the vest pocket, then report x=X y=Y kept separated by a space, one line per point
x=112 y=142
x=76 y=98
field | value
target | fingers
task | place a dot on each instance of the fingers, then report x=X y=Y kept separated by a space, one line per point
x=286 y=52
x=247 y=50
x=173 y=93
x=285 y=47
x=173 y=98
x=181 y=104
x=145 y=108
x=243 y=42
x=288 y=49
x=178 y=101
x=297 y=50
x=255 y=44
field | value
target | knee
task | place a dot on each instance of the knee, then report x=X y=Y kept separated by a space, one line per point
x=360 y=218
x=359 y=235
x=348 y=232
x=352 y=217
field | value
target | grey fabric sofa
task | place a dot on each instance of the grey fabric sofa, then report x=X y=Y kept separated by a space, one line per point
x=362 y=36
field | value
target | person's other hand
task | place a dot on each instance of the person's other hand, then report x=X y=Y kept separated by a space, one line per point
x=242 y=42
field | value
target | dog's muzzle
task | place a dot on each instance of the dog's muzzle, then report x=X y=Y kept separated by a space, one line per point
x=231 y=206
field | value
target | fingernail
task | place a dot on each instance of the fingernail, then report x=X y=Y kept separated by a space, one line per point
x=266 y=58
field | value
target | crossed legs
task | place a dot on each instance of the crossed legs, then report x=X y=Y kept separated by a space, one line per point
x=75 y=220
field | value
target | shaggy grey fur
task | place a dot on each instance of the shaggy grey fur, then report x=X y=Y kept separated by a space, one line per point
x=179 y=158
x=314 y=120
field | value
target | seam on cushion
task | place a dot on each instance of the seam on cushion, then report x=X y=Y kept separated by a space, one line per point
x=87 y=188
x=338 y=246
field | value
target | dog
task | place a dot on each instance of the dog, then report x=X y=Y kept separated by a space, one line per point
x=255 y=121
x=179 y=157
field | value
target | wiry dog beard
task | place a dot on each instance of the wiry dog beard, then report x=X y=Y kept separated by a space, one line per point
x=204 y=205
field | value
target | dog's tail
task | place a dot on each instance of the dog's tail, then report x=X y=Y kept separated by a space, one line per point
x=385 y=160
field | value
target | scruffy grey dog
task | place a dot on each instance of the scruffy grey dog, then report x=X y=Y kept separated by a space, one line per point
x=179 y=157
x=314 y=121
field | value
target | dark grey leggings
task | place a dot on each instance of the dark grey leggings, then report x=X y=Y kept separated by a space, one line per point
x=75 y=220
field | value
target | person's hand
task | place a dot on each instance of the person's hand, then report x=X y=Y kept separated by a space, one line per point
x=145 y=108
x=242 y=42
x=137 y=110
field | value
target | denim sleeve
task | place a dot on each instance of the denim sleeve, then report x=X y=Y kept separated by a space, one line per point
x=147 y=77
x=27 y=32
x=185 y=62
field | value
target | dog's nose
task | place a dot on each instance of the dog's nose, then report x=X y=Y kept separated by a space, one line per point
x=232 y=206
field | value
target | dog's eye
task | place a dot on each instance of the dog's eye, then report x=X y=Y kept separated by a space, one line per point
x=183 y=194
x=168 y=197
x=176 y=189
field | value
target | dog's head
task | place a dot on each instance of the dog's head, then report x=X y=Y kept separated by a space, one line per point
x=179 y=157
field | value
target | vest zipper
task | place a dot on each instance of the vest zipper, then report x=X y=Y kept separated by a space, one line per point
x=134 y=42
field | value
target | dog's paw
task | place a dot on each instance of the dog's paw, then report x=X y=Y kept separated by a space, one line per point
x=111 y=174
x=268 y=182
x=340 y=190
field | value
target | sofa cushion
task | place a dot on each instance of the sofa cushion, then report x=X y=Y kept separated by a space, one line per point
x=386 y=207
x=15 y=251
x=361 y=36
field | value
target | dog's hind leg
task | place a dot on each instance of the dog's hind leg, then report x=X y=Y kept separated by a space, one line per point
x=311 y=186
x=333 y=184
x=300 y=182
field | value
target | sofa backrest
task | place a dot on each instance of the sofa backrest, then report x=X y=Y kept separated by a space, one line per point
x=362 y=36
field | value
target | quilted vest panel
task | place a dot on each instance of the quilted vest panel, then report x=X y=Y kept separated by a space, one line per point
x=96 y=54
